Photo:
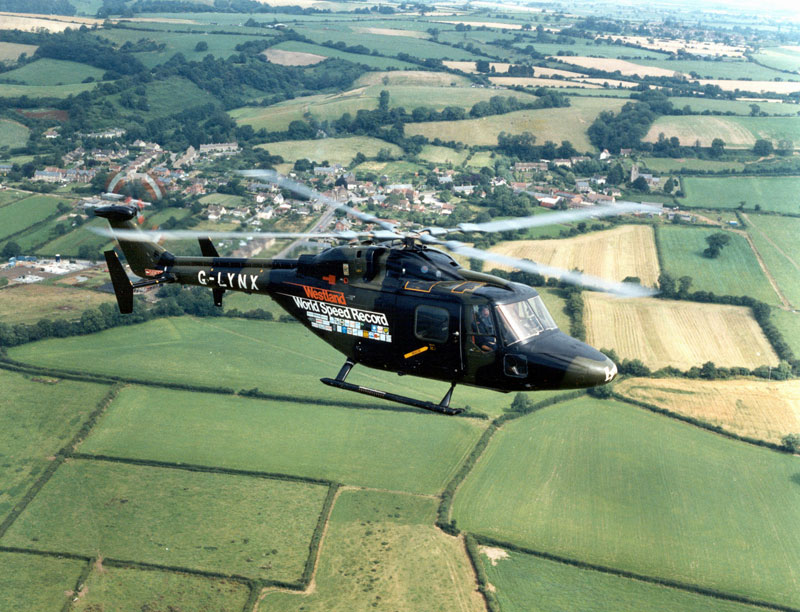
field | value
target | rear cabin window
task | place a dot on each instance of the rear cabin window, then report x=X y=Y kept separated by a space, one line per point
x=431 y=324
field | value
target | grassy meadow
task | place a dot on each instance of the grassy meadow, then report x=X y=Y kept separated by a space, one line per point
x=10 y=52
x=681 y=334
x=780 y=58
x=13 y=90
x=38 y=417
x=789 y=325
x=613 y=485
x=135 y=589
x=382 y=551
x=735 y=272
x=333 y=150
x=776 y=240
x=723 y=69
x=23 y=213
x=12 y=133
x=774 y=193
x=48 y=71
x=525 y=583
x=31 y=583
x=668 y=165
x=29 y=303
x=554 y=124
x=283 y=359
x=173 y=517
x=736 y=132
x=355 y=447
x=765 y=410
x=376 y=62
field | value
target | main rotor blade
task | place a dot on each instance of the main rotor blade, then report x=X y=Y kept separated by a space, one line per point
x=308 y=192
x=565 y=216
x=156 y=235
x=569 y=276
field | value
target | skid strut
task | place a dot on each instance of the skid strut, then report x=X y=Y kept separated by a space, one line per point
x=339 y=382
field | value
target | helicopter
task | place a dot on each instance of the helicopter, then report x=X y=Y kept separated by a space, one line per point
x=391 y=300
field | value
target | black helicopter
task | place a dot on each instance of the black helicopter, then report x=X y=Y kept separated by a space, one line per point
x=392 y=301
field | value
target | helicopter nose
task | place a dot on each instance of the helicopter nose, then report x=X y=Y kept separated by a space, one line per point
x=586 y=372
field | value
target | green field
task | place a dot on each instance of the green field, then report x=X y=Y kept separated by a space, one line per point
x=380 y=63
x=10 y=52
x=332 y=150
x=781 y=58
x=329 y=107
x=113 y=588
x=13 y=134
x=734 y=272
x=778 y=194
x=10 y=195
x=9 y=90
x=613 y=485
x=71 y=242
x=382 y=551
x=170 y=96
x=723 y=69
x=789 y=325
x=776 y=239
x=586 y=47
x=37 y=418
x=736 y=132
x=32 y=583
x=48 y=71
x=739 y=107
x=662 y=165
x=28 y=303
x=526 y=583
x=238 y=354
x=443 y=155
x=356 y=447
x=24 y=213
x=173 y=517
x=554 y=124
x=399 y=171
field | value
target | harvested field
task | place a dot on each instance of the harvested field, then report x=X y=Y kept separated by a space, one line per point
x=488 y=24
x=665 y=333
x=767 y=410
x=673 y=45
x=411 y=77
x=628 y=250
x=10 y=52
x=393 y=32
x=502 y=68
x=29 y=303
x=293 y=58
x=51 y=23
x=607 y=64
x=737 y=132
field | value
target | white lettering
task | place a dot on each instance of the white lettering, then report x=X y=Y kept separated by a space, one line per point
x=219 y=280
x=242 y=281
x=201 y=277
x=231 y=276
x=253 y=285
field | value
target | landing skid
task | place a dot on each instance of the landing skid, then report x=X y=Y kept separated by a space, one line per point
x=442 y=407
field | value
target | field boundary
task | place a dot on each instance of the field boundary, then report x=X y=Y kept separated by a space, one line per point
x=714 y=429
x=60 y=457
x=664 y=582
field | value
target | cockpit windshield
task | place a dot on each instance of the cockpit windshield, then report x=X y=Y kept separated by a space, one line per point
x=522 y=320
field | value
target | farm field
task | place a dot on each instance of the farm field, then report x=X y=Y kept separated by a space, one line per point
x=681 y=334
x=23 y=213
x=625 y=68
x=13 y=134
x=620 y=487
x=776 y=240
x=223 y=353
x=71 y=242
x=443 y=155
x=541 y=82
x=781 y=58
x=766 y=410
x=737 y=132
x=725 y=69
x=774 y=193
x=735 y=272
x=762 y=87
x=589 y=48
x=334 y=150
x=293 y=58
x=628 y=250
x=411 y=78
x=554 y=124
x=10 y=52
x=136 y=589
x=173 y=517
x=355 y=447
x=739 y=107
x=414 y=566
x=10 y=195
x=661 y=165
x=31 y=583
x=378 y=62
x=29 y=303
x=13 y=90
x=48 y=71
x=38 y=416
x=525 y=582
x=789 y=325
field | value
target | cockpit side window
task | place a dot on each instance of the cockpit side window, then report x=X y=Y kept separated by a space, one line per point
x=483 y=331
x=524 y=319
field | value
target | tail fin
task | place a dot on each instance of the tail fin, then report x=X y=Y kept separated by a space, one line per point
x=123 y=288
x=141 y=255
